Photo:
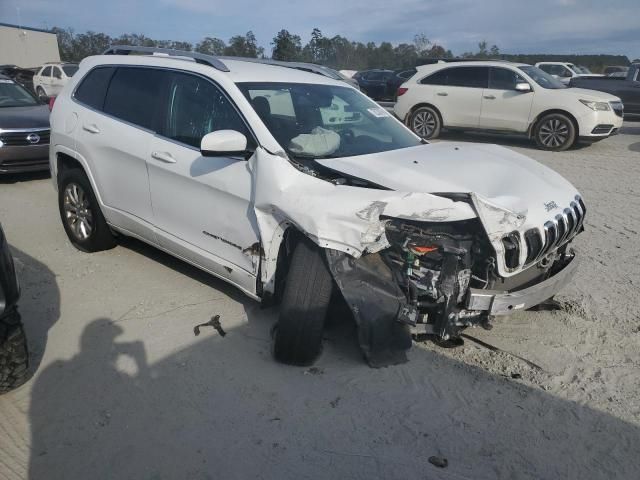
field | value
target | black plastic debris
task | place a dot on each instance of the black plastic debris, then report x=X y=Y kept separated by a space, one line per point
x=214 y=322
x=439 y=462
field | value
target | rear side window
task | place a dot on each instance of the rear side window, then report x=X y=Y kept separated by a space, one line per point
x=134 y=94
x=57 y=73
x=473 y=77
x=374 y=76
x=197 y=107
x=93 y=88
x=438 y=78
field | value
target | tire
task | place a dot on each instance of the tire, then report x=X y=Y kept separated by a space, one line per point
x=425 y=122
x=555 y=132
x=40 y=92
x=80 y=213
x=305 y=301
x=14 y=354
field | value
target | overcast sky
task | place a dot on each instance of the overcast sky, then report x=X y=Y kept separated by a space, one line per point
x=516 y=26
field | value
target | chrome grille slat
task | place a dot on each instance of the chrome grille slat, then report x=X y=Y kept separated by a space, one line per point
x=555 y=232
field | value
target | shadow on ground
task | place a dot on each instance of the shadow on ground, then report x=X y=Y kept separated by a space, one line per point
x=23 y=177
x=39 y=303
x=222 y=408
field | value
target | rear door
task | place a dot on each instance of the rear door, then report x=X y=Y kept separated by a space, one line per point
x=115 y=134
x=202 y=205
x=504 y=108
x=457 y=93
x=45 y=80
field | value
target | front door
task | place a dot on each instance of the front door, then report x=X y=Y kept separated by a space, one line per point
x=202 y=205
x=503 y=107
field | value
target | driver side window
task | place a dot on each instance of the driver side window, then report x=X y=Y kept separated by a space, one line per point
x=197 y=107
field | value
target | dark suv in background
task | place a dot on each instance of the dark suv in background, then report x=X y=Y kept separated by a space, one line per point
x=374 y=83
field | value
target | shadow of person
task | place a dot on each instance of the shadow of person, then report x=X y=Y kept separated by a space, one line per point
x=77 y=405
x=39 y=303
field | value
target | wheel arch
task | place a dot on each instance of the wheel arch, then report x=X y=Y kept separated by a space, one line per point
x=424 y=104
x=532 y=125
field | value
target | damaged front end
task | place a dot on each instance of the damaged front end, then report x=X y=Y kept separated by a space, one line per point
x=435 y=279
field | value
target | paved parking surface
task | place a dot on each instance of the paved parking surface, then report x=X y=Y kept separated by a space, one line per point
x=123 y=388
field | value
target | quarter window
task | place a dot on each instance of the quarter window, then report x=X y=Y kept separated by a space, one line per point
x=93 y=87
x=134 y=94
x=197 y=107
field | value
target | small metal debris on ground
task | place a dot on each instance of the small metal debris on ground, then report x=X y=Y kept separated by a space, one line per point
x=439 y=462
x=314 y=371
x=214 y=322
x=516 y=376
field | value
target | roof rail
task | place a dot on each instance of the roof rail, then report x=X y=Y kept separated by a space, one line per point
x=197 y=57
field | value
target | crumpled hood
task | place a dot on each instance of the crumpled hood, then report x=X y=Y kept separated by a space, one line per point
x=24 y=117
x=501 y=176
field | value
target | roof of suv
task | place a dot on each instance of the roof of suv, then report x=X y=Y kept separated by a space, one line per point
x=478 y=63
x=239 y=70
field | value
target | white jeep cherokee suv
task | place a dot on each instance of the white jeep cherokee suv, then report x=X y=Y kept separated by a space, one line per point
x=256 y=174
x=505 y=97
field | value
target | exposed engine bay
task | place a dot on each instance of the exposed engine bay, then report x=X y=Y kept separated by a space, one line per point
x=421 y=284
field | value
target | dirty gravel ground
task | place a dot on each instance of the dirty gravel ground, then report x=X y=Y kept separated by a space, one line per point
x=124 y=389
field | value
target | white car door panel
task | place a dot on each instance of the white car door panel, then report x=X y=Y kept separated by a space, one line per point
x=504 y=108
x=116 y=142
x=457 y=93
x=204 y=202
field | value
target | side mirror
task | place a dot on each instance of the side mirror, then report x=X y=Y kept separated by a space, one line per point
x=523 y=87
x=224 y=143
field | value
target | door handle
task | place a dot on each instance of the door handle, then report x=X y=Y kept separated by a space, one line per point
x=165 y=157
x=489 y=97
x=442 y=94
x=92 y=128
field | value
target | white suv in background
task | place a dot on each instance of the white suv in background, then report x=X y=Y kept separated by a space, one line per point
x=291 y=186
x=51 y=77
x=564 y=71
x=505 y=97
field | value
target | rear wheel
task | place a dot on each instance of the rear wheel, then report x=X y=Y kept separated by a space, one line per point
x=14 y=356
x=80 y=213
x=425 y=122
x=305 y=300
x=555 y=132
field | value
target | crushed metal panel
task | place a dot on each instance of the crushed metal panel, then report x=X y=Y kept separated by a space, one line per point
x=375 y=299
x=338 y=217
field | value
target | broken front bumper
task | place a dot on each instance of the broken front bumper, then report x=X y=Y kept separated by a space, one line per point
x=505 y=303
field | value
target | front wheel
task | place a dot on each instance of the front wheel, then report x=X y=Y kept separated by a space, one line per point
x=555 y=132
x=425 y=122
x=305 y=301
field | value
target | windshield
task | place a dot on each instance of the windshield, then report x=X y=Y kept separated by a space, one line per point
x=69 y=70
x=542 y=78
x=583 y=70
x=325 y=121
x=13 y=95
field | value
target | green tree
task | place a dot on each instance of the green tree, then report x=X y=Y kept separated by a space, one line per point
x=286 y=46
x=211 y=46
x=244 y=46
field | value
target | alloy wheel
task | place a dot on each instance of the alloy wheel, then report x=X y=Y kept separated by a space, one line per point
x=554 y=133
x=424 y=123
x=77 y=211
